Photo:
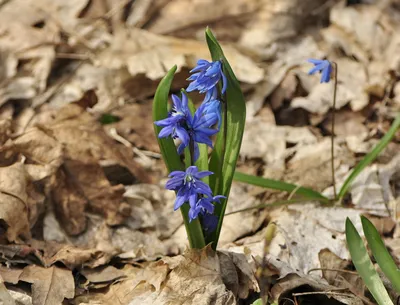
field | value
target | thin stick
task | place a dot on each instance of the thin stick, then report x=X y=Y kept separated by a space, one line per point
x=331 y=269
x=333 y=130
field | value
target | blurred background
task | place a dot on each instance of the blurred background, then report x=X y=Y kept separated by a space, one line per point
x=80 y=165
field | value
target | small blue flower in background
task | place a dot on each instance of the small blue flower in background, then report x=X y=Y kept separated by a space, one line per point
x=322 y=66
x=206 y=77
x=188 y=186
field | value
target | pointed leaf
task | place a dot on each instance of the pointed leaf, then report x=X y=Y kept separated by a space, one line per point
x=364 y=266
x=381 y=254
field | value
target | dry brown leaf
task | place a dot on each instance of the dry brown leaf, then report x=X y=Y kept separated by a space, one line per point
x=293 y=283
x=198 y=12
x=134 y=126
x=242 y=274
x=43 y=151
x=10 y=275
x=102 y=274
x=278 y=20
x=13 y=202
x=69 y=202
x=194 y=278
x=153 y=55
x=5 y=297
x=50 y=285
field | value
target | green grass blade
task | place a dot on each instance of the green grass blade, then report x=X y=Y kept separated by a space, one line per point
x=171 y=157
x=280 y=185
x=371 y=156
x=224 y=157
x=364 y=266
x=381 y=254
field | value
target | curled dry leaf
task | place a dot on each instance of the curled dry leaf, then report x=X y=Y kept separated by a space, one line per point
x=13 y=202
x=50 y=285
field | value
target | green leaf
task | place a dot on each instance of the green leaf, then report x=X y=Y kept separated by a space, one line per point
x=280 y=185
x=171 y=157
x=160 y=112
x=364 y=266
x=371 y=156
x=225 y=154
x=381 y=254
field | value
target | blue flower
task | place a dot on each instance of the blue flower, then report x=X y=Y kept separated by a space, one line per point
x=212 y=106
x=206 y=77
x=182 y=125
x=188 y=186
x=174 y=125
x=322 y=66
x=204 y=206
x=209 y=222
x=199 y=130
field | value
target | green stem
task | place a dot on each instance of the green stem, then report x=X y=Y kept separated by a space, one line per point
x=333 y=131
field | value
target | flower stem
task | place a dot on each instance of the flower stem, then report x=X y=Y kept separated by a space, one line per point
x=333 y=130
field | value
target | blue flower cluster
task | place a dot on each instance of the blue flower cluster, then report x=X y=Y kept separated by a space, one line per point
x=190 y=188
x=192 y=130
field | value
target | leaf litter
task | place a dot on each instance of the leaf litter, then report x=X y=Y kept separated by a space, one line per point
x=80 y=201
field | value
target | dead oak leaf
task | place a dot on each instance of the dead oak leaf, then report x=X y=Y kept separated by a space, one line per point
x=50 y=285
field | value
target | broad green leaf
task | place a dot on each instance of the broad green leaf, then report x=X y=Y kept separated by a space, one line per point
x=371 y=156
x=381 y=254
x=280 y=185
x=364 y=266
x=171 y=157
x=160 y=112
x=227 y=146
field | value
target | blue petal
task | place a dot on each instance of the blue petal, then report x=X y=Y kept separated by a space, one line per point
x=326 y=74
x=224 y=83
x=202 y=174
x=166 y=131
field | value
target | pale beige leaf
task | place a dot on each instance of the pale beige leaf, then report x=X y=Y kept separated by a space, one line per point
x=50 y=285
